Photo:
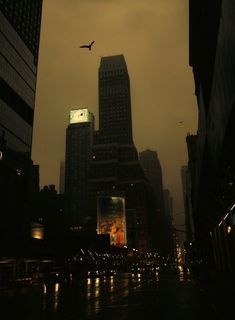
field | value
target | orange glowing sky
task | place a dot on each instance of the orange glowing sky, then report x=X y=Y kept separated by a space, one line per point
x=153 y=37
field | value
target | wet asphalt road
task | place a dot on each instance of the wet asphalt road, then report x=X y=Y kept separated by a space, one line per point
x=167 y=295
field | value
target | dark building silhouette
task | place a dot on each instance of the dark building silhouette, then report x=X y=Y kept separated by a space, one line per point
x=50 y=211
x=212 y=47
x=188 y=186
x=79 y=141
x=170 y=241
x=188 y=218
x=115 y=124
x=19 y=43
x=115 y=168
x=62 y=176
x=34 y=189
x=152 y=169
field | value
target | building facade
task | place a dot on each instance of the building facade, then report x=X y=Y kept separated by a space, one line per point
x=19 y=44
x=115 y=168
x=212 y=47
x=79 y=141
x=152 y=169
x=115 y=123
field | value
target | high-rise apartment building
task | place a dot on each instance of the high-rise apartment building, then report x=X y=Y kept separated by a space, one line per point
x=19 y=44
x=79 y=141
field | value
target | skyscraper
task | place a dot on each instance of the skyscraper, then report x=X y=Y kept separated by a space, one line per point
x=115 y=168
x=79 y=140
x=62 y=176
x=19 y=44
x=152 y=168
x=115 y=124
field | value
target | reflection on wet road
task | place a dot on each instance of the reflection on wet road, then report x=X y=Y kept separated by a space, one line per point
x=166 y=294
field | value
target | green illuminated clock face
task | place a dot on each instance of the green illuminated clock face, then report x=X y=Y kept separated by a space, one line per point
x=80 y=115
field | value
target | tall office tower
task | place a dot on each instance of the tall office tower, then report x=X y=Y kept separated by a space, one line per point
x=115 y=168
x=19 y=43
x=115 y=124
x=171 y=234
x=187 y=193
x=62 y=176
x=152 y=168
x=79 y=140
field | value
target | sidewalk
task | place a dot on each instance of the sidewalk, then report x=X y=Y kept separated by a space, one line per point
x=219 y=291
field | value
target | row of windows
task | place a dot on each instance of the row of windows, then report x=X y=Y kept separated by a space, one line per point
x=16 y=61
x=16 y=81
x=114 y=72
x=25 y=16
x=13 y=100
x=14 y=124
x=113 y=89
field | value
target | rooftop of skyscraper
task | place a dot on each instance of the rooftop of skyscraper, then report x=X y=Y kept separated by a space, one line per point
x=113 y=62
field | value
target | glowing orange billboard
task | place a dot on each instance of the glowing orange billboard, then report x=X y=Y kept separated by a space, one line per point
x=111 y=219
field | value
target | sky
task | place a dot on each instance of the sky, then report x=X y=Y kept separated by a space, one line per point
x=153 y=37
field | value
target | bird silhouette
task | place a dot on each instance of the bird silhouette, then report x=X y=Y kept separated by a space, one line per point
x=87 y=45
x=180 y=121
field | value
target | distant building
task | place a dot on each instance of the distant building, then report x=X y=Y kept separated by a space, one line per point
x=19 y=44
x=168 y=203
x=170 y=232
x=115 y=168
x=187 y=198
x=190 y=220
x=50 y=210
x=79 y=141
x=152 y=169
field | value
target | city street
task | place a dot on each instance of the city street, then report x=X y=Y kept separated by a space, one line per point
x=166 y=295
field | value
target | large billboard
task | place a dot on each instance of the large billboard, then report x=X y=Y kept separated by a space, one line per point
x=111 y=219
x=37 y=231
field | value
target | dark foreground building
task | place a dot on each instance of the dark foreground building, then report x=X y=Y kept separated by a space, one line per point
x=19 y=43
x=212 y=57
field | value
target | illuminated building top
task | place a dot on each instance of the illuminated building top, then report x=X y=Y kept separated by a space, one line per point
x=79 y=116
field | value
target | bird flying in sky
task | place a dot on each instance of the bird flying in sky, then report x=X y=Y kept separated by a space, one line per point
x=180 y=121
x=87 y=45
